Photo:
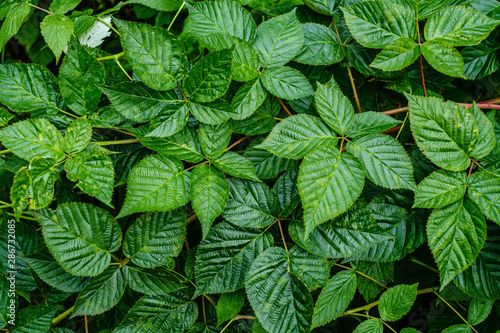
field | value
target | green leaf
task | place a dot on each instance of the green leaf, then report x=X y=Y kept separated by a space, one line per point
x=81 y=237
x=154 y=237
x=93 y=173
x=458 y=26
x=221 y=17
x=386 y=162
x=425 y=8
x=460 y=328
x=151 y=282
x=209 y=194
x=155 y=184
x=279 y=40
x=156 y=56
x=444 y=58
x=481 y=279
x=57 y=30
x=5 y=301
x=165 y=313
x=440 y=189
x=236 y=166
x=297 y=135
x=267 y=165
x=170 y=120
x=34 y=319
x=396 y=301
x=209 y=78
x=380 y=272
x=63 y=6
x=137 y=102
x=373 y=325
x=250 y=204
x=13 y=21
x=245 y=62
x=334 y=298
x=482 y=59
x=184 y=144
x=397 y=55
x=371 y=123
x=321 y=46
x=375 y=24
x=29 y=88
x=335 y=109
x=313 y=270
x=479 y=310
x=79 y=77
x=262 y=120
x=484 y=190
x=486 y=132
x=286 y=82
x=34 y=138
x=329 y=182
x=248 y=99
x=224 y=257
x=285 y=189
x=34 y=185
x=5 y=116
x=455 y=234
x=78 y=135
x=214 y=139
x=445 y=132
x=346 y=235
x=214 y=113
x=51 y=272
x=101 y=294
x=229 y=305
x=326 y=7
x=166 y=6
x=279 y=299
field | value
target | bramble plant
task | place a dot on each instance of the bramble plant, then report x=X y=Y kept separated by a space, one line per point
x=250 y=166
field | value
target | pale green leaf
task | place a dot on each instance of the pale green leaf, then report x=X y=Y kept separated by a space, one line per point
x=13 y=21
x=224 y=257
x=209 y=194
x=296 y=136
x=445 y=132
x=484 y=190
x=334 y=298
x=156 y=56
x=137 y=102
x=29 y=88
x=245 y=62
x=321 y=46
x=279 y=40
x=151 y=281
x=229 y=305
x=78 y=135
x=5 y=116
x=250 y=204
x=335 y=108
x=154 y=237
x=458 y=26
x=248 y=99
x=286 y=82
x=396 y=301
x=373 y=325
x=214 y=113
x=79 y=77
x=479 y=310
x=57 y=30
x=441 y=188
x=236 y=166
x=209 y=78
x=444 y=58
x=397 y=55
x=155 y=184
x=279 y=299
x=173 y=313
x=101 y=294
x=34 y=138
x=63 y=6
x=171 y=119
x=455 y=234
x=93 y=173
x=371 y=122
x=214 y=139
x=375 y=24
x=329 y=182
x=81 y=237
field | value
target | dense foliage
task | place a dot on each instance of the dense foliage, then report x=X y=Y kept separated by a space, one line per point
x=250 y=166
